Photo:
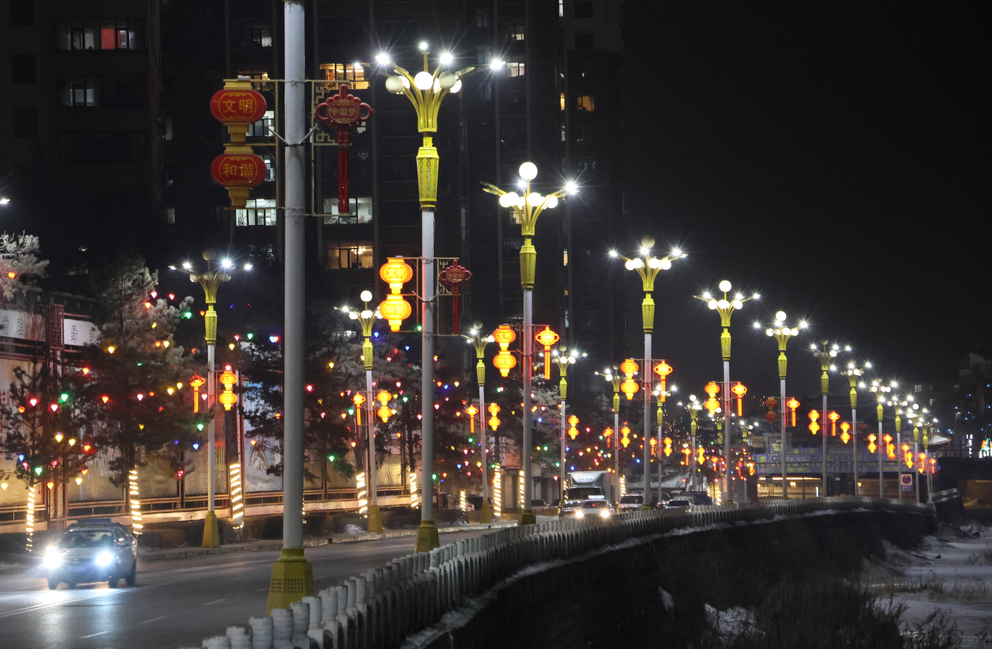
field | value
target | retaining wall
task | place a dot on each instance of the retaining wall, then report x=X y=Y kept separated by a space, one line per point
x=577 y=574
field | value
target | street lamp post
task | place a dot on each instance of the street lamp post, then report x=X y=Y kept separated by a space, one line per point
x=726 y=309
x=693 y=407
x=782 y=333
x=563 y=358
x=880 y=391
x=366 y=318
x=615 y=379
x=479 y=342
x=853 y=374
x=210 y=280
x=663 y=369
x=526 y=210
x=648 y=267
x=426 y=91
x=825 y=353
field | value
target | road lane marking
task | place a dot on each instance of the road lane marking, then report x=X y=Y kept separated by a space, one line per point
x=93 y=635
x=61 y=602
x=216 y=601
x=155 y=619
x=261 y=589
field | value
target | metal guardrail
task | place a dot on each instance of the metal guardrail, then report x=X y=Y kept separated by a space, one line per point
x=379 y=608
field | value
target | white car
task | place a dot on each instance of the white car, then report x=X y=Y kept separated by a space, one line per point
x=97 y=550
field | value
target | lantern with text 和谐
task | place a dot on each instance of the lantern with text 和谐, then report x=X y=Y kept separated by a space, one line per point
x=573 y=432
x=668 y=446
x=872 y=447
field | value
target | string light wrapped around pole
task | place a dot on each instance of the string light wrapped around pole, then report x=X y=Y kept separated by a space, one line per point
x=479 y=342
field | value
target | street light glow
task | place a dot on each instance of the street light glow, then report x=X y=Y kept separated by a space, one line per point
x=382 y=58
x=446 y=58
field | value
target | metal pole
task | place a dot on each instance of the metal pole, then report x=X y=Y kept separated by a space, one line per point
x=485 y=456
x=292 y=575
x=211 y=538
x=427 y=539
x=785 y=441
x=854 y=447
x=375 y=518
x=881 y=483
x=616 y=455
x=646 y=379
x=823 y=418
x=526 y=515
x=658 y=451
x=726 y=431
x=562 y=472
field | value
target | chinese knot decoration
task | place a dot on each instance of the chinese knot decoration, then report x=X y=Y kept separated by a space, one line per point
x=196 y=383
x=453 y=277
x=343 y=113
x=237 y=106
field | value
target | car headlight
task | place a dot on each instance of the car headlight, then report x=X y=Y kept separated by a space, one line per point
x=605 y=513
x=579 y=513
x=104 y=559
x=53 y=557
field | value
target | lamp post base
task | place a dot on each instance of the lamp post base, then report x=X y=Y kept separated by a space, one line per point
x=487 y=513
x=527 y=517
x=375 y=520
x=427 y=537
x=292 y=579
x=211 y=533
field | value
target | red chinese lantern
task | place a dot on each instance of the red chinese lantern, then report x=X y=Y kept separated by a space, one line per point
x=237 y=106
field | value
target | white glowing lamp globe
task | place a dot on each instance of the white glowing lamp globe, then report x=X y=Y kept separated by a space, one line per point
x=395 y=85
x=551 y=202
x=737 y=304
x=528 y=171
x=366 y=314
x=535 y=199
x=424 y=80
x=447 y=80
x=712 y=304
x=366 y=296
x=780 y=316
x=724 y=286
x=509 y=199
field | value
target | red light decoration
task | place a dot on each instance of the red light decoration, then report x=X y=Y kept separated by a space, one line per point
x=343 y=113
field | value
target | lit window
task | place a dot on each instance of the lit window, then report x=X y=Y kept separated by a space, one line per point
x=351 y=73
x=263 y=127
x=515 y=69
x=585 y=103
x=258 y=211
x=359 y=210
x=561 y=98
x=105 y=34
x=354 y=254
x=564 y=261
x=515 y=31
x=256 y=35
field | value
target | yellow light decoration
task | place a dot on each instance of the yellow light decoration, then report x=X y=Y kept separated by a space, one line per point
x=624 y=440
x=845 y=436
x=546 y=338
x=237 y=500
x=79 y=480
x=504 y=362
x=414 y=496
x=833 y=417
x=921 y=461
x=712 y=389
x=872 y=447
x=739 y=391
x=134 y=495
x=384 y=412
x=363 y=502
x=227 y=399
x=58 y=437
x=630 y=388
x=497 y=493
x=793 y=404
x=712 y=405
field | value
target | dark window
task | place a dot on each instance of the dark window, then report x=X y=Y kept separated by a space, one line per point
x=103 y=147
x=256 y=35
x=21 y=13
x=22 y=68
x=25 y=122
x=104 y=34
x=108 y=91
x=582 y=9
x=583 y=40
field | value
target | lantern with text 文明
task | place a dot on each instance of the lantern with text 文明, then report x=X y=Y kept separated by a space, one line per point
x=227 y=398
x=739 y=391
x=833 y=417
x=624 y=439
x=237 y=106
x=546 y=338
x=394 y=308
x=629 y=386
x=872 y=447
x=844 y=435
x=573 y=432
x=793 y=404
x=504 y=360
x=813 y=426
x=712 y=404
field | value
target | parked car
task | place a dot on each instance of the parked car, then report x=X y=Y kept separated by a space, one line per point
x=631 y=501
x=537 y=503
x=95 y=550
x=680 y=502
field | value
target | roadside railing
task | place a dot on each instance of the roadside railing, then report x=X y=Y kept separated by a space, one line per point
x=378 y=609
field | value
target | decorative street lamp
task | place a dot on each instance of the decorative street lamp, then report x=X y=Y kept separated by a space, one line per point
x=526 y=210
x=210 y=280
x=366 y=318
x=825 y=353
x=782 y=333
x=898 y=404
x=693 y=407
x=662 y=369
x=647 y=266
x=880 y=391
x=479 y=342
x=853 y=374
x=725 y=307
x=615 y=379
x=426 y=91
x=563 y=357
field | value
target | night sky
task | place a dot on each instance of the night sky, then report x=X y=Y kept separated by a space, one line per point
x=834 y=158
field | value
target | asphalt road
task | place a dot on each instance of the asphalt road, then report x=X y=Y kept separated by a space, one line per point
x=176 y=602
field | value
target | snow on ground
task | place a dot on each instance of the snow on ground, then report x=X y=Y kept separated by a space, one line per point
x=950 y=572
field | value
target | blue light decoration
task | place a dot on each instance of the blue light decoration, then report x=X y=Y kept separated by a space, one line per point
x=196 y=447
